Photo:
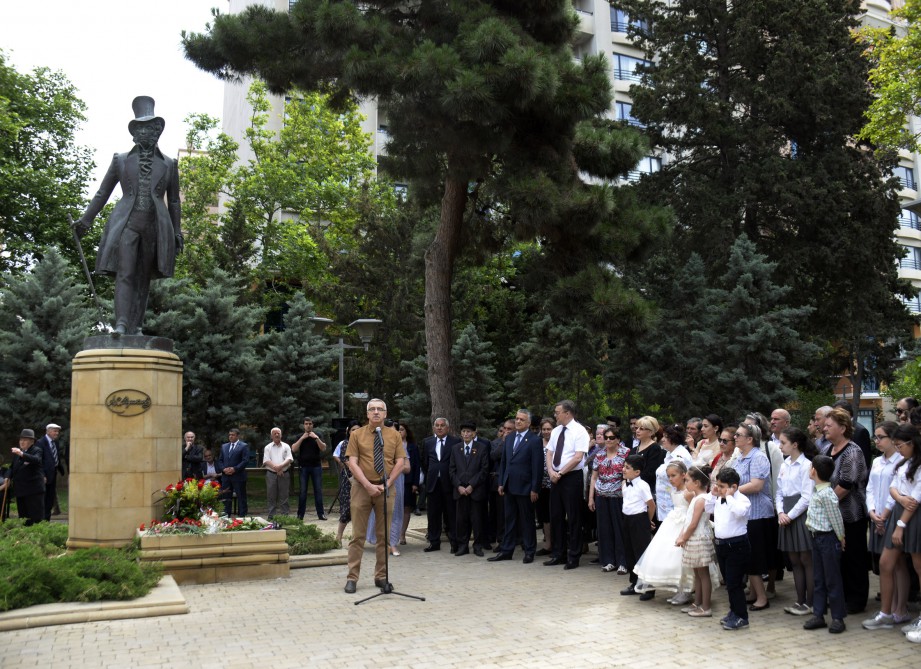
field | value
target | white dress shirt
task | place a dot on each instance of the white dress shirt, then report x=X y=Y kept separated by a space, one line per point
x=636 y=496
x=729 y=519
x=794 y=479
x=575 y=440
x=882 y=471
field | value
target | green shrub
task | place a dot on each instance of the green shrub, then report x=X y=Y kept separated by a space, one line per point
x=305 y=539
x=35 y=569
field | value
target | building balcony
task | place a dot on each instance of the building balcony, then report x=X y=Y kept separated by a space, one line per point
x=586 y=28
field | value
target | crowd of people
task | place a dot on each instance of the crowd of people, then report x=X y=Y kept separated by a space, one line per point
x=684 y=507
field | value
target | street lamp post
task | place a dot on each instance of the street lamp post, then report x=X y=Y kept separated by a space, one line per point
x=366 y=328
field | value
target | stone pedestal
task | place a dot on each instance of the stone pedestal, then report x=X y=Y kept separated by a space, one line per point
x=219 y=558
x=126 y=428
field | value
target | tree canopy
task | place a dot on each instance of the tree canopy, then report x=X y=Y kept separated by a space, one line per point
x=42 y=169
x=895 y=79
x=481 y=99
x=758 y=106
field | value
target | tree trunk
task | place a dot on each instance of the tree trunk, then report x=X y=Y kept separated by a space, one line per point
x=439 y=268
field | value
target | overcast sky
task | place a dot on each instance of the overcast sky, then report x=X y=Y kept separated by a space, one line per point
x=112 y=51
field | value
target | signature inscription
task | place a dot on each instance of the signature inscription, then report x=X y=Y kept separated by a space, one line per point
x=128 y=402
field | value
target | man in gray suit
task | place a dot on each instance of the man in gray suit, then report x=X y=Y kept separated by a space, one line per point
x=143 y=234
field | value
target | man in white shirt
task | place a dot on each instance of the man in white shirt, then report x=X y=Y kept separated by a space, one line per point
x=277 y=461
x=565 y=455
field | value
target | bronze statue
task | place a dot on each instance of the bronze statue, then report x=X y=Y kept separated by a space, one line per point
x=143 y=234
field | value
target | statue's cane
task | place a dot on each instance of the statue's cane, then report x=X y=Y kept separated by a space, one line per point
x=6 y=490
x=86 y=269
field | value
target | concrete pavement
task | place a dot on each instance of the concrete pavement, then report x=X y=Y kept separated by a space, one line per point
x=476 y=614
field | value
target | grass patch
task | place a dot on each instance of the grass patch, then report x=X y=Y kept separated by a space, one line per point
x=305 y=539
x=35 y=569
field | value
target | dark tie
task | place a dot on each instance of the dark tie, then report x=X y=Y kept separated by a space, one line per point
x=517 y=443
x=558 y=451
x=54 y=452
x=467 y=451
x=629 y=483
x=722 y=500
x=378 y=452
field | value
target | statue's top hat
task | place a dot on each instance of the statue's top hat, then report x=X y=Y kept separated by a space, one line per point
x=143 y=106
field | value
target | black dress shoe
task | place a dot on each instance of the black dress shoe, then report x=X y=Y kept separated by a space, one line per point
x=453 y=548
x=629 y=590
x=553 y=562
x=380 y=582
x=499 y=557
x=431 y=547
x=646 y=596
x=478 y=551
x=571 y=565
x=542 y=552
x=528 y=559
x=463 y=550
x=321 y=517
x=350 y=587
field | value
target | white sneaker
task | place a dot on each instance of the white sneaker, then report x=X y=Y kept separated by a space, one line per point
x=881 y=621
x=798 y=609
x=914 y=637
x=913 y=626
x=680 y=599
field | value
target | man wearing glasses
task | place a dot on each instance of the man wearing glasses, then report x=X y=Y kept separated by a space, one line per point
x=375 y=452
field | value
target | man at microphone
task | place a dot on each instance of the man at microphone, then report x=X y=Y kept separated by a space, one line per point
x=374 y=452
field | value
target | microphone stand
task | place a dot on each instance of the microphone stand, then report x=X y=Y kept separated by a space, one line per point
x=387 y=588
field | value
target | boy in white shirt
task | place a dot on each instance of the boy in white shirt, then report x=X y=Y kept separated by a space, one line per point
x=639 y=510
x=730 y=510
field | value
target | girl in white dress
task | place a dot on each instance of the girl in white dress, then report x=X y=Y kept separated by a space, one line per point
x=660 y=565
x=696 y=540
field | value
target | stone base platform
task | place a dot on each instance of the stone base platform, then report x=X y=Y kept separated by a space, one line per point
x=219 y=558
x=164 y=600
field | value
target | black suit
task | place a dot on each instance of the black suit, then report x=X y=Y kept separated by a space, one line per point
x=191 y=461
x=50 y=469
x=470 y=471
x=520 y=474
x=438 y=486
x=28 y=480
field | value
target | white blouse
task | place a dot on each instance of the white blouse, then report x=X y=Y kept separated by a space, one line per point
x=794 y=479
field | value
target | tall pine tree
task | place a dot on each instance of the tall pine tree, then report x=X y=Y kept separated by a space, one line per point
x=214 y=333
x=757 y=105
x=295 y=379
x=44 y=317
x=482 y=97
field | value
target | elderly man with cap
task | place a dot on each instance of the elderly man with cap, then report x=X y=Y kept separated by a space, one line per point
x=53 y=462
x=28 y=478
x=143 y=235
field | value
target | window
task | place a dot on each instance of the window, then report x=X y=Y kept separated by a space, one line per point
x=624 y=112
x=912 y=260
x=625 y=67
x=621 y=21
x=909 y=219
x=906 y=176
x=647 y=165
x=913 y=304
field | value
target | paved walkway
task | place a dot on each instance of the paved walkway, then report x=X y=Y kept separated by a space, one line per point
x=476 y=614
